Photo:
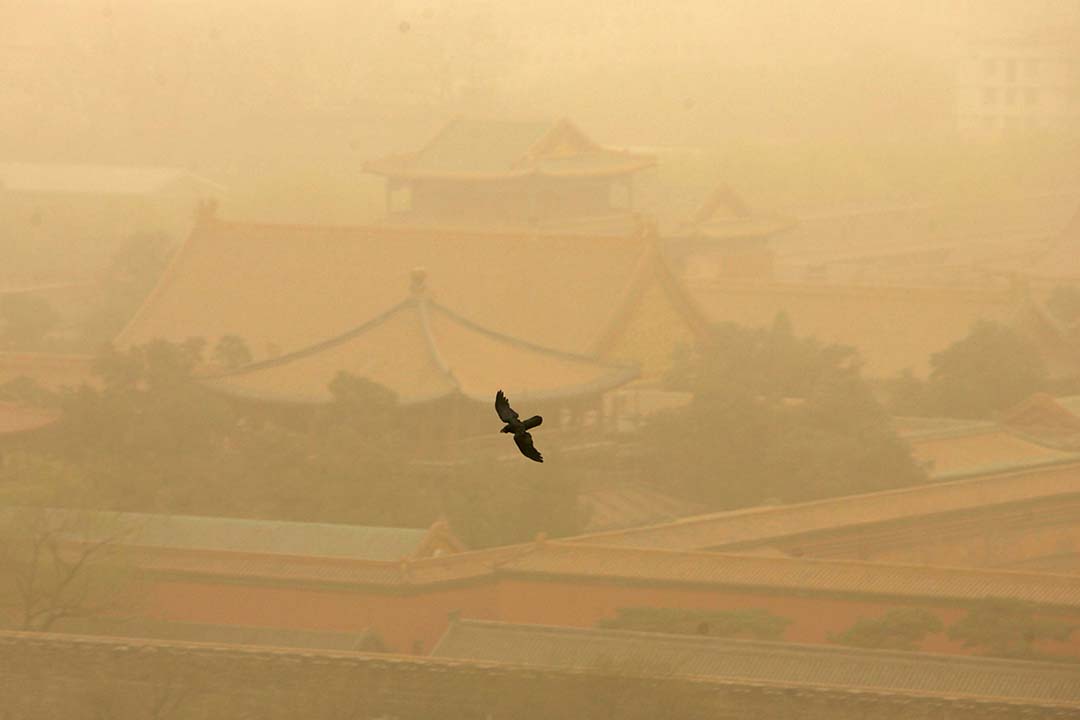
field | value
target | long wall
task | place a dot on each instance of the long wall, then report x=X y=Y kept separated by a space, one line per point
x=412 y=620
x=51 y=676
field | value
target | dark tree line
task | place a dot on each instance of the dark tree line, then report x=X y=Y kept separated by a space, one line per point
x=774 y=417
x=997 y=627
x=151 y=438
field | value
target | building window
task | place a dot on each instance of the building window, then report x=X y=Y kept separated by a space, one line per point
x=990 y=67
x=1031 y=68
x=990 y=96
x=1031 y=95
x=1010 y=96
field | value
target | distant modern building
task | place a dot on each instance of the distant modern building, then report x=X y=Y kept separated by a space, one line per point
x=1025 y=83
x=500 y=173
x=1017 y=65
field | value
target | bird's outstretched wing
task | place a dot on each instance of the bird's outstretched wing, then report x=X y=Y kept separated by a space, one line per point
x=502 y=406
x=525 y=445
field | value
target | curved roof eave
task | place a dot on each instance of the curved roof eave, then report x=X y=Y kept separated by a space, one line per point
x=614 y=376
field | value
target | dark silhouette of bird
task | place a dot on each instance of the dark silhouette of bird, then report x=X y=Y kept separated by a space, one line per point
x=520 y=428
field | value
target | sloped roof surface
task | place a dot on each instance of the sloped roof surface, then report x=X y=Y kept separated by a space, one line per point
x=289 y=287
x=628 y=504
x=423 y=351
x=631 y=564
x=236 y=535
x=483 y=148
x=662 y=654
x=597 y=563
x=724 y=215
x=90 y=179
x=479 y=145
x=981 y=451
x=759 y=525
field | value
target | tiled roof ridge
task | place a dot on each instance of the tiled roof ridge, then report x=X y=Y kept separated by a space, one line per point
x=527 y=163
x=961 y=479
x=128 y=645
x=958 y=570
x=205 y=221
x=652 y=264
x=521 y=342
x=912 y=656
x=558 y=559
x=319 y=346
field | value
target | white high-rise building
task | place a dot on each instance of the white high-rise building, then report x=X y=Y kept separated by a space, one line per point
x=1017 y=66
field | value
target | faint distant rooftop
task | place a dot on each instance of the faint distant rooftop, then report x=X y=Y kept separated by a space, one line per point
x=94 y=179
x=474 y=148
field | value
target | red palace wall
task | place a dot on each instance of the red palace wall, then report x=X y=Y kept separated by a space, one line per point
x=413 y=623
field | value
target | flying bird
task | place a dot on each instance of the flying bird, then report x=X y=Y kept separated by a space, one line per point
x=520 y=428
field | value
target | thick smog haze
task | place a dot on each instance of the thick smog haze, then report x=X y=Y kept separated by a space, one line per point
x=786 y=293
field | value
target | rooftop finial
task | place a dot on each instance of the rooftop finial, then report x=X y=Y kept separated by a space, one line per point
x=206 y=210
x=419 y=280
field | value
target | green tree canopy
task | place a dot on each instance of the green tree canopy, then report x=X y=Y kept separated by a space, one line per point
x=990 y=369
x=756 y=623
x=898 y=629
x=231 y=352
x=774 y=416
x=1007 y=628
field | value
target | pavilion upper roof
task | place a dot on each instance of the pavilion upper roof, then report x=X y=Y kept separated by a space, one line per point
x=471 y=148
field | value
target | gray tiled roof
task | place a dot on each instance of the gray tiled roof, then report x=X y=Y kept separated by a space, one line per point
x=661 y=654
x=238 y=534
x=359 y=641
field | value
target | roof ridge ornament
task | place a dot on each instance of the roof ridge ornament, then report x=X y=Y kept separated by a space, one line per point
x=206 y=211
x=418 y=280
